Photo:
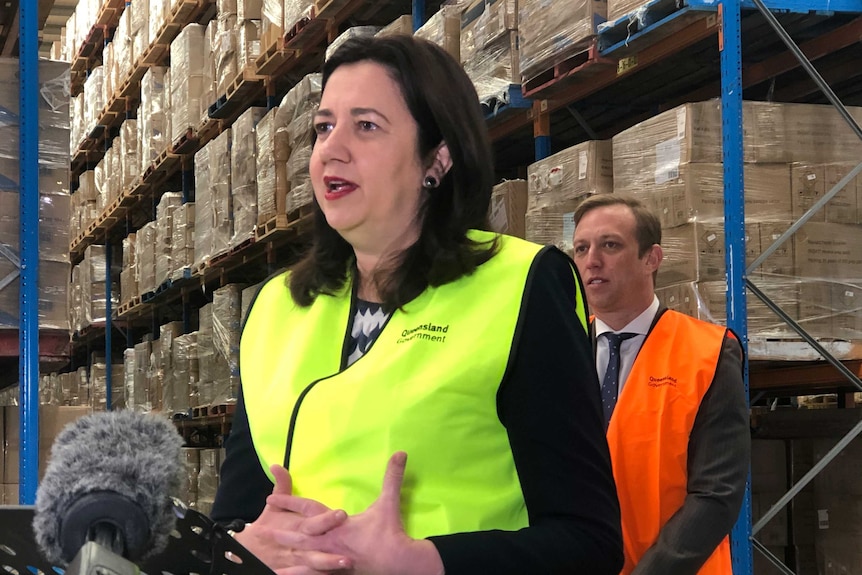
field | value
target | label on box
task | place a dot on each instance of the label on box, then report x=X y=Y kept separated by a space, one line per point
x=555 y=176
x=666 y=161
x=582 y=165
x=568 y=231
x=680 y=123
x=499 y=220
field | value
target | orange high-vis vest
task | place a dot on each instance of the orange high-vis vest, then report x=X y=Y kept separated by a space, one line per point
x=649 y=430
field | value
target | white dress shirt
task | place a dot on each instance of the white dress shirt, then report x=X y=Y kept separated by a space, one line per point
x=629 y=348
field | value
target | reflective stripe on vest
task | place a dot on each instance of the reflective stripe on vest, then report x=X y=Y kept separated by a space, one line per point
x=428 y=386
x=650 y=427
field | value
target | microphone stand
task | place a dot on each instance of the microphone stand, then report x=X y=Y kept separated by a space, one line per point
x=95 y=559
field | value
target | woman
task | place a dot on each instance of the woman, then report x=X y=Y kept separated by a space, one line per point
x=405 y=329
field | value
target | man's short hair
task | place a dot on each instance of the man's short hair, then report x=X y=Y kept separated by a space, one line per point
x=647 y=225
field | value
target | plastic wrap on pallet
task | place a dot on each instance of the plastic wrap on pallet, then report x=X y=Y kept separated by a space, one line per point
x=187 y=79
x=248 y=42
x=183 y=239
x=153 y=116
x=203 y=207
x=188 y=492
x=159 y=11
x=444 y=28
x=209 y=94
x=508 y=207
x=707 y=300
x=167 y=334
x=220 y=185
x=140 y=29
x=809 y=182
x=635 y=9
x=128 y=285
x=206 y=358
x=249 y=9
x=352 y=32
x=184 y=351
x=99 y=386
x=554 y=30
x=93 y=99
x=145 y=248
x=75 y=299
x=225 y=53
x=296 y=10
x=207 y=479
x=271 y=23
x=246 y=298
x=77 y=120
x=268 y=167
x=558 y=184
x=297 y=112
x=129 y=377
x=93 y=283
x=53 y=109
x=696 y=252
x=243 y=173
x=129 y=255
x=227 y=323
x=401 y=25
x=130 y=164
x=165 y=209
x=54 y=212
x=122 y=42
x=141 y=393
x=108 y=79
x=696 y=194
x=155 y=376
x=493 y=69
x=226 y=7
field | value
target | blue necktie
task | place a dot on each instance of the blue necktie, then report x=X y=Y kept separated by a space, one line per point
x=611 y=381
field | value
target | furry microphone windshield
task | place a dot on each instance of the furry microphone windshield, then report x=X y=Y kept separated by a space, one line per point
x=110 y=473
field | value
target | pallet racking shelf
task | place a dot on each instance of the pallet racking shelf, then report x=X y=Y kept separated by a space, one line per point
x=672 y=52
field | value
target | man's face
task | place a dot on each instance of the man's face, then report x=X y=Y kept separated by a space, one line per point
x=617 y=280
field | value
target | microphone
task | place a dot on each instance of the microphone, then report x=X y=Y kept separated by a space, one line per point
x=110 y=480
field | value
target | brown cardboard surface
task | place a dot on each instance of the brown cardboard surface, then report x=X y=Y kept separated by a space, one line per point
x=509 y=207
x=827 y=250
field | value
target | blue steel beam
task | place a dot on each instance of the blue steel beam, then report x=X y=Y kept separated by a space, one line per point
x=418 y=14
x=28 y=64
x=730 y=45
x=824 y=7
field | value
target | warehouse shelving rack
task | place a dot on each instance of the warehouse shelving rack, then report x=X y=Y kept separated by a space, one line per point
x=712 y=34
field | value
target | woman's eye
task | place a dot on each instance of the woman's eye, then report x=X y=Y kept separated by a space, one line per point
x=322 y=127
x=366 y=126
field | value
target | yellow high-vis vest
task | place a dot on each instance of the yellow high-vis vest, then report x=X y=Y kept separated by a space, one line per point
x=428 y=386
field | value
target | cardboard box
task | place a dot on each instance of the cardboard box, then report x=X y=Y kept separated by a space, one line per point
x=509 y=207
x=845 y=207
x=573 y=173
x=11 y=494
x=444 y=29
x=830 y=251
x=554 y=30
x=781 y=262
x=696 y=252
x=401 y=25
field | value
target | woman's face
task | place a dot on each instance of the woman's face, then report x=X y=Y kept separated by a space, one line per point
x=365 y=166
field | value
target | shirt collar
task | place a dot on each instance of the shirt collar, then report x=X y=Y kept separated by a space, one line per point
x=639 y=325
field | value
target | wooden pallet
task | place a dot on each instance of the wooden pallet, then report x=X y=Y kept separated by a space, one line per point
x=187 y=143
x=243 y=245
x=299 y=213
x=237 y=94
x=275 y=224
x=213 y=410
x=273 y=58
x=127 y=306
x=582 y=59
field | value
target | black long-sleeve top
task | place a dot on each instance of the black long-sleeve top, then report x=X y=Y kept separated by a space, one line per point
x=549 y=404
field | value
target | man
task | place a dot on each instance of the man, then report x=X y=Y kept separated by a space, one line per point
x=673 y=396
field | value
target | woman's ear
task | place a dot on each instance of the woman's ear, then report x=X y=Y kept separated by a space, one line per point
x=441 y=163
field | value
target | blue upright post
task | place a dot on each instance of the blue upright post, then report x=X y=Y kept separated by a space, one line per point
x=418 y=14
x=109 y=379
x=29 y=242
x=730 y=45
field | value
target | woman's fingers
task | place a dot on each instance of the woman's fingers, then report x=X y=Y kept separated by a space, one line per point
x=301 y=505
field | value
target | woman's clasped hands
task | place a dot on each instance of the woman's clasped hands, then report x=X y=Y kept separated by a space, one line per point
x=299 y=536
